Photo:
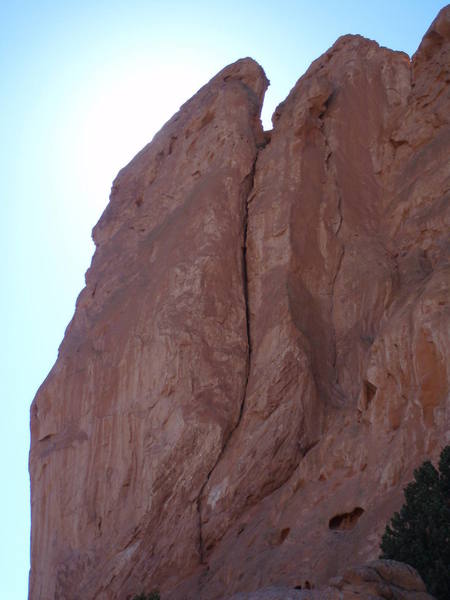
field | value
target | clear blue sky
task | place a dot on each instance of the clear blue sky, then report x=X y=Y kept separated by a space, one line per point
x=84 y=85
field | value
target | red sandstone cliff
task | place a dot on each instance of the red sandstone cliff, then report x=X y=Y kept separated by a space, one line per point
x=260 y=355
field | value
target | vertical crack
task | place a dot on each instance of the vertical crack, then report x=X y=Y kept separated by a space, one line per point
x=330 y=168
x=246 y=191
x=339 y=211
x=333 y=285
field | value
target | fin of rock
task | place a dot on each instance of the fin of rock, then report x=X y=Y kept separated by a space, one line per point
x=149 y=380
x=262 y=345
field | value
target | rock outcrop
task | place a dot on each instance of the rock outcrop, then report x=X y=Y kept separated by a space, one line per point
x=259 y=358
x=379 y=580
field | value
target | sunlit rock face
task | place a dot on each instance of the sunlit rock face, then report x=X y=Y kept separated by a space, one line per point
x=259 y=358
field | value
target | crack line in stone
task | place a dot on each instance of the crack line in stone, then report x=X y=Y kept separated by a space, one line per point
x=330 y=167
x=246 y=191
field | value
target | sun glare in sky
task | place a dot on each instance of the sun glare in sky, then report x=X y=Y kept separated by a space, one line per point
x=85 y=85
x=123 y=113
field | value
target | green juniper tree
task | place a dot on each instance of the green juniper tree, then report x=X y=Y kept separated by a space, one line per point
x=419 y=534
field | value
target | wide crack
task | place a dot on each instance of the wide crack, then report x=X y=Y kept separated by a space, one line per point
x=246 y=191
x=330 y=168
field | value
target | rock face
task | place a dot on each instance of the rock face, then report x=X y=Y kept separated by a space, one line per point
x=379 y=580
x=259 y=358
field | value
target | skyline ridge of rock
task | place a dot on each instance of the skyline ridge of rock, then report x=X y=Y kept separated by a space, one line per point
x=259 y=358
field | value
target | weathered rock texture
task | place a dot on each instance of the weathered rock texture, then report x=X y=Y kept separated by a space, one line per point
x=260 y=356
x=379 y=580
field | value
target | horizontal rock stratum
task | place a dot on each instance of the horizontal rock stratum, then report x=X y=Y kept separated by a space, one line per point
x=260 y=357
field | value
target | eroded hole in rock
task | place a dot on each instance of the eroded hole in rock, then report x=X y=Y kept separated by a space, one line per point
x=397 y=143
x=346 y=520
x=173 y=138
x=369 y=391
x=284 y=533
x=305 y=586
x=278 y=537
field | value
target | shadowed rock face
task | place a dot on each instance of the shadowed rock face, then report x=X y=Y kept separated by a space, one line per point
x=261 y=348
x=378 y=580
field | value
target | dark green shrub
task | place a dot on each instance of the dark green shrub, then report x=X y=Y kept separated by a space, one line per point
x=419 y=534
